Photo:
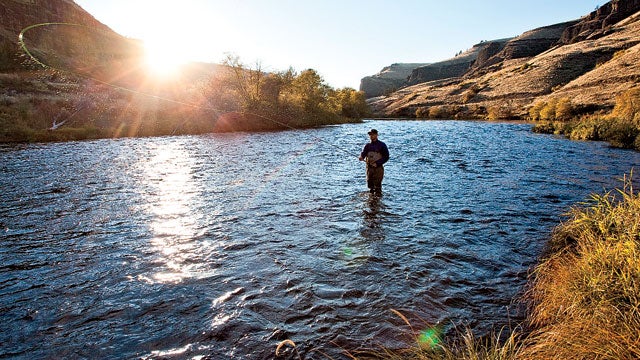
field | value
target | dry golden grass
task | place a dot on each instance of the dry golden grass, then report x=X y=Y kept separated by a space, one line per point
x=586 y=296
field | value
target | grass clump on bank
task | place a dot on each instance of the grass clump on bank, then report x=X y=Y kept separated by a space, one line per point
x=583 y=297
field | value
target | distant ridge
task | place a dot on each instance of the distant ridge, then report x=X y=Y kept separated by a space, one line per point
x=589 y=60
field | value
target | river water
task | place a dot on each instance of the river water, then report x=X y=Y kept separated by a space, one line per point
x=221 y=246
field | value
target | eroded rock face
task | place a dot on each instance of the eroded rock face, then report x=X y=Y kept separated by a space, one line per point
x=388 y=79
x=589 y=61
x=456 y=66
x=397 y=76
x=529 y=44
x=599 y=22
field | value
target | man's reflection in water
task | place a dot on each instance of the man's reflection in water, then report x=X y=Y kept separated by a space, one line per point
x=372 y=216
x=361 y=249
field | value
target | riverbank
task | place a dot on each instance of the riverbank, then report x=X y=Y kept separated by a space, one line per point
x=49 y=106
x=583 y=297
x=621 y=127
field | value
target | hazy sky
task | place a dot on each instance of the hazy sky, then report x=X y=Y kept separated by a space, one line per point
x=344 y=40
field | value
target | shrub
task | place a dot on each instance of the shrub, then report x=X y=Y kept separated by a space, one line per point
x=544 y=128
x=563 y=109
x=534 y=111
x=470 y=93
x=525 y=67
x=622 y=134
x=619 y=53
x=445 y=111
x=554 y=109
x=499 y=112
x=548 y=111
x=588 y=128
x=628 y=106
x=437 y=112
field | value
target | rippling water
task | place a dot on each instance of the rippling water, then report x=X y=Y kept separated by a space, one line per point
x=224 y=245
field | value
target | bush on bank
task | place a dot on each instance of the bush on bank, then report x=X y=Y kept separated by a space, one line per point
x=621 y=128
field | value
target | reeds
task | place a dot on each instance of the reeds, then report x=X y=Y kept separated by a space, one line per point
x=585 y=295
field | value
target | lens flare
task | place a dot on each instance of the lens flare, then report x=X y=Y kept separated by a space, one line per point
x=429 y=338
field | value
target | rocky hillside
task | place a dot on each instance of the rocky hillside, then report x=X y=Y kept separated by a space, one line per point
x=390 y=78
x=456 y=66
x=589 y=61
x=398 y=76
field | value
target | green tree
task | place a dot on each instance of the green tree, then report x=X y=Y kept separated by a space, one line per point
x=274 y=85
x=310 y=91
x=352 y=103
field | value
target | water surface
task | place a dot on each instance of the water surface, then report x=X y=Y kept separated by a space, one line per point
x=223 y=245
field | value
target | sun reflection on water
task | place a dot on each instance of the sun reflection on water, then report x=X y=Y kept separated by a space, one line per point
x=172 y=198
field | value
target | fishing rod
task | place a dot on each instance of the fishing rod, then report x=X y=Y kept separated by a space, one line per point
x=25 y=48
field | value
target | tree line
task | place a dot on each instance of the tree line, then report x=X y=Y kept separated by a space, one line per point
x=234 y=98
x=283 y=99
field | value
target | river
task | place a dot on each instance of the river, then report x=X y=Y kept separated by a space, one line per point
x=221 y=246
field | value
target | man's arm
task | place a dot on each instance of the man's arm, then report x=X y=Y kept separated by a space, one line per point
x=364 y=152
x=384 y=151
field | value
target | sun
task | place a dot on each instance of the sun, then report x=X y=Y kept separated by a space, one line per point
x=163 y=59
x=173 y=34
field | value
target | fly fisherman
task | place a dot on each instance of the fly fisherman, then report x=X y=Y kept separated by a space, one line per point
x=375 y=154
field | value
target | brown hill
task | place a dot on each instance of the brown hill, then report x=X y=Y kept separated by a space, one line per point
x=17 y=15
x=458 y=65
x=389 y=79
x=592 y=61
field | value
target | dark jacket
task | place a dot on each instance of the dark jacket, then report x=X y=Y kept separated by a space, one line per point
x=379 y=147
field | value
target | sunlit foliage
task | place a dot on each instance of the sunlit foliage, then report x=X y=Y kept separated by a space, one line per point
x=621 y=128
x=282 y=99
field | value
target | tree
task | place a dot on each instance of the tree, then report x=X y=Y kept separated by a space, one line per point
x=310 y=90
x=352 y=103
x=245 y=81
x=283 y=98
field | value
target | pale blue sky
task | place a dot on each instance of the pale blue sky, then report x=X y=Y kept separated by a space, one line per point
x=344 y=40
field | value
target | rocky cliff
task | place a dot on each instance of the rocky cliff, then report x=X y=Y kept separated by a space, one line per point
x=456 y=66
x=390 y=78
x=529 y=44
x=600 y=22
x=589 y=61
x=397 y=76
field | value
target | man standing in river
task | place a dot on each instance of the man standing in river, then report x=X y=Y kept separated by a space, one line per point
x=375 y=154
